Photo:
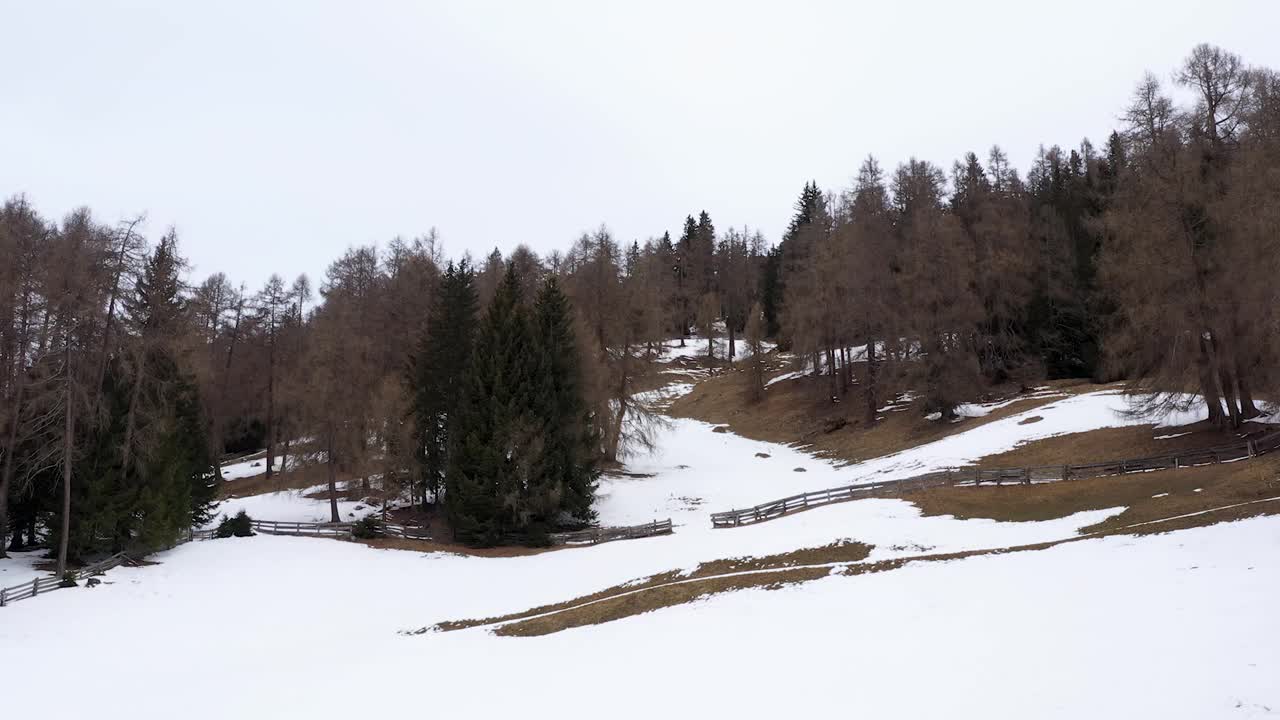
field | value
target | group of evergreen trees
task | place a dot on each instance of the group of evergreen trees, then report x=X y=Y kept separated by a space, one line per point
x=502 y=423
x=1153 y=260
x=1150 y=261
x=104 y=438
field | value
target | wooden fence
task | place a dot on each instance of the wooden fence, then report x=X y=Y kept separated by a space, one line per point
x=312 y=529
x=39 y=586
x=595 y=535
x=1242 y=450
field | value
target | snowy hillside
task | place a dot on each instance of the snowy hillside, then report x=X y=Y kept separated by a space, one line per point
x=1169 y=626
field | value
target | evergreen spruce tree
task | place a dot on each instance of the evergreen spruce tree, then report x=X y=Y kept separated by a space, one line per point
x=437 y=371
x=487 y=484
x=147 y=471
x=565 y=474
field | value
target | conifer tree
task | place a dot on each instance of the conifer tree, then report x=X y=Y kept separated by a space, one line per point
x=565 y=473
x=437 y=369
x=486 y=484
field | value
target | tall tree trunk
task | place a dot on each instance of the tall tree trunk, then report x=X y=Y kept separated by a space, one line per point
x=832 y=371
x=870 y=389
x=271 y=405
x=731 y=353
x=614 y=440
x=111 y=314
x=1247 y=407
x=333 y=478
x=68 y=456
x=284 y=455
x=1219 y=353
x=1209 y=386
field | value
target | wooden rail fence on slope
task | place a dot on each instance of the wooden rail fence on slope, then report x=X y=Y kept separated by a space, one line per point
x=1244 y=449
x=40 y=586
x=592 y=536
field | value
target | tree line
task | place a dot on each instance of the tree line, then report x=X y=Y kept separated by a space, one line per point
x=497 y=389
x=1152 y=259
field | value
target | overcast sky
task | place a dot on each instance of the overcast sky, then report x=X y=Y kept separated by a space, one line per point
x=274 y=135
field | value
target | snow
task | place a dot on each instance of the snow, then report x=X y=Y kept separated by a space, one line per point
x=1085 y=629
x=696 y=348
x=19 y=567
x=785 y=376
x=249 y=468
x=1006 y=636
x=292 y=506
x=976 y=410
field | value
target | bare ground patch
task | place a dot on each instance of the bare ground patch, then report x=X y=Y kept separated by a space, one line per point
x=843 y=551
x=799 y=412
x=1146 y=496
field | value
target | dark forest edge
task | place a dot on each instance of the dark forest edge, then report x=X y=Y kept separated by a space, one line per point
x=499 y=390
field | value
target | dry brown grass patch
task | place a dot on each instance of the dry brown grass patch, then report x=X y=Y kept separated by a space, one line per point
x=1108 y=444
x=798 y=412
x=1219 y=485
x=656 y=599
x=842 y=551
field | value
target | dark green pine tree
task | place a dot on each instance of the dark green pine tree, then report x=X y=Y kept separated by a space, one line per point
x=148 y=474
x=167 y=451
x=488 y=481
x=771 y=291
x=565 y=473
x=437 y=370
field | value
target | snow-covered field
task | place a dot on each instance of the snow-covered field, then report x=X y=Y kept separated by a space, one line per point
x=292 y=506
x=1170 y=626
x=249 y=468
x=19 y=567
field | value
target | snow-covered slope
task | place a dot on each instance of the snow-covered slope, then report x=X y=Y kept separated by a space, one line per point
x=1165 y=626
x=1172 y=626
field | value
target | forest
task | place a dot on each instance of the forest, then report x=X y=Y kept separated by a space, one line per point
x=498 y=388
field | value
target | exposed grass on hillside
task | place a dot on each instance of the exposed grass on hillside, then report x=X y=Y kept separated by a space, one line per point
x=1147 y=496
x=844 y=551
x=616 y=608
x=1156 y=502
x=1107 y=444
x=798 y=411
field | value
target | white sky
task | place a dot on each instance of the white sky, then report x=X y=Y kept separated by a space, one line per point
x=276 y=134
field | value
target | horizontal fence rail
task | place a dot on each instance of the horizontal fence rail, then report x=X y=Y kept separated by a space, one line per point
x=1250 y=447
x=39 y=586
x=596 y=535
x=313 y=529
x=592 y=536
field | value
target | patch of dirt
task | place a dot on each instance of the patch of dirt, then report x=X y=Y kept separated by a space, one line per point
x=655 y=599
x=1031 y=420
x=1108 y=444
x=799 y=412
x=763 y=455
x=1220 y=485
x=843 y=551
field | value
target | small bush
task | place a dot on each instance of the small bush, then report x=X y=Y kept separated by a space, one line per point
x=239 y=526
x=366 y=528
